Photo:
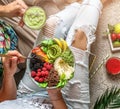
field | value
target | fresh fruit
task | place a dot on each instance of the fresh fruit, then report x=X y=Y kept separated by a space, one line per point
x=117 y=28
x=58 y=42
x=36 y=78
x=33 y=73
x=64 y=44
x=118 y=36
x=113 y=65
x=113 y=36
x=34 y=17
x=116 y=43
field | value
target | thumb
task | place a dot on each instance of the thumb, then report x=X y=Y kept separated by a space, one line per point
x=14 y=62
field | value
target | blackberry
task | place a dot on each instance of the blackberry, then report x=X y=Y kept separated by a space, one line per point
x=33 y=60
x=31 y=65
x=33 y=55
x=37 y=66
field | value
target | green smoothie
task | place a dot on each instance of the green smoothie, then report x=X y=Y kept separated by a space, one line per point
x=34 y=17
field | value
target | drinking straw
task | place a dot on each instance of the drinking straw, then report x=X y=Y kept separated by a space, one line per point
x=99 y=66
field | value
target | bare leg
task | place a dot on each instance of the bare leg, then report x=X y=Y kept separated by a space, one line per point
x=80 y=40
x=106 y=2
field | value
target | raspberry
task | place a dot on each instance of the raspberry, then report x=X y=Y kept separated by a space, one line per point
x=48 y=67
x=46 y=73
x=39 y=74
x=43 y=73
x=36 y=78
x=38 y=70
x=45 y=64
x=44 y=69
x=41 y=80
x=33 y=74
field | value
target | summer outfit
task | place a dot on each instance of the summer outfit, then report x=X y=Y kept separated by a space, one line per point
x=8 y=40
x=76 y=93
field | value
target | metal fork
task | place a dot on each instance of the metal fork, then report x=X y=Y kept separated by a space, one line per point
x=24 y=57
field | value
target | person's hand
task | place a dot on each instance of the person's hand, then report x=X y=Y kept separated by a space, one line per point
x=10 y=62
x=15 y=9
x=55 y=94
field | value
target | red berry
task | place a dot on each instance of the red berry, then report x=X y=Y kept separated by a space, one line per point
x=43 y=73
x=45 y=64
x=38 y=70
x=113 y=36
x=44 y=69
x=33 y=74
x=51 y=65
x=36 y=78
x=41 y=80
x=48 y=67
x=118 y=36
x=39 y=74
x=46 y=73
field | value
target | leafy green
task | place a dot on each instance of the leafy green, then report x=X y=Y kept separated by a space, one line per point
x=111 y=28
x=68 y=57
x=47 y=42
x=63 y=81
x=110 y=99
x=43 y=84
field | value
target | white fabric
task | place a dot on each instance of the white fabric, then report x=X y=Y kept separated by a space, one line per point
x=76 y=92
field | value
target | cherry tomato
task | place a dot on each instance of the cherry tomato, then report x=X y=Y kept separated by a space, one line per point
x=118 y=36
x=113 y=36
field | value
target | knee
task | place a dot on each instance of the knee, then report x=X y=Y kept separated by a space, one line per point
x=80 y=40
x=49 y=28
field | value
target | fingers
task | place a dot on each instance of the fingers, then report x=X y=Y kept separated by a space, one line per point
x=14 y=62
x=21 y=23
x=16 y=54
x=22 y=3
x=10 y=65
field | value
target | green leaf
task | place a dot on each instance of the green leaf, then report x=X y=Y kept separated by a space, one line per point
x=43 y=85
x=110 y=99
x=111 y=28
x=62 y=77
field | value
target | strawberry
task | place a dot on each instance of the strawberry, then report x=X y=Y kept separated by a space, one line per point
x=113 y=36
